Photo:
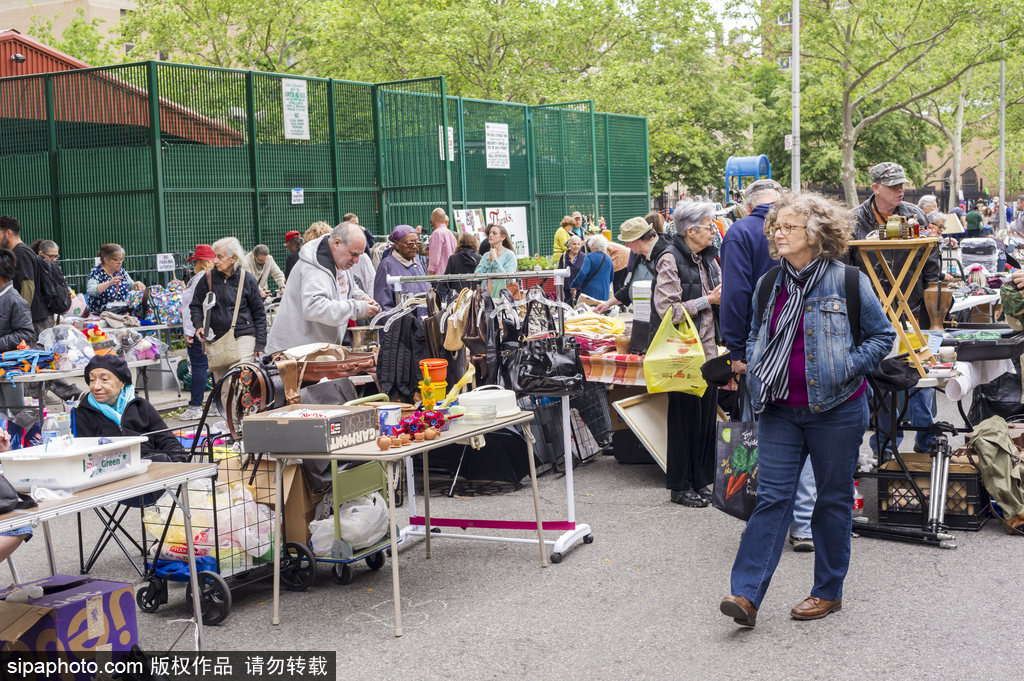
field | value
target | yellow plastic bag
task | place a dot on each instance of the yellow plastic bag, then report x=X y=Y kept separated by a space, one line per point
x=674 y=359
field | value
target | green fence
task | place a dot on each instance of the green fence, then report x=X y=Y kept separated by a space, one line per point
x=159 y=157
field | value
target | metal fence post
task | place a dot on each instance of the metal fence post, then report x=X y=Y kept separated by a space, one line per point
x=254 y=164
x=51 y=147
x=332 y=130
x=608 y=164
x=531 y=154
x=447 y=156
x=647 y=160
x=378 y=135
x=462 y=153
x=593 y=160
x=159 y=212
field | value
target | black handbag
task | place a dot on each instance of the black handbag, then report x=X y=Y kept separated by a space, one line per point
x=10 y=499
x=548 y=366
x=475 y=335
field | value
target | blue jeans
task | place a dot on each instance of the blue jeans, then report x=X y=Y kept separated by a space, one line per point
x=806 y=492
x=198 y=365
x=787 y=437
x=920 y=414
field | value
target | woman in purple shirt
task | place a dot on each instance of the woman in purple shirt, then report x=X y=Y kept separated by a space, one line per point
x=806 y=373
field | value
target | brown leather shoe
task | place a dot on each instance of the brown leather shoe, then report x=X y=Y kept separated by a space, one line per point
x=740 y=610
x=812 y=608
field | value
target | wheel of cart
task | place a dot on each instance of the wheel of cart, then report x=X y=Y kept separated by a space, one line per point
x=347 y=485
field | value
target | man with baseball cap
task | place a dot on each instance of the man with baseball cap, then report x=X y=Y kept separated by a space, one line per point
x=887 y=183
x=293 y=242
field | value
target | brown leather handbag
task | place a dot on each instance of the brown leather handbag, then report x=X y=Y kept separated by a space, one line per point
x=330 y=362
x=475 y=334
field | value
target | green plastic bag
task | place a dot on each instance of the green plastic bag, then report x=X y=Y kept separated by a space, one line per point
x=674 y=359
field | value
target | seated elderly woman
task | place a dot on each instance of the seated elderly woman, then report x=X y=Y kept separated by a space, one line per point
x=113 y=410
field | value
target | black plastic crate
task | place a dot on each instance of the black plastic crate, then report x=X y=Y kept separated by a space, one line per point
x=591 y=426
x=898 y=505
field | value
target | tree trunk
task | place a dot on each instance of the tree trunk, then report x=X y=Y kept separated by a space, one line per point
x=957 y=144
x=848 y=171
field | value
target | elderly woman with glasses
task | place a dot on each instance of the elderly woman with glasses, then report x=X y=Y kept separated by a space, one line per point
x=400 y=261
x=806 y=369
x=108 y=283
x=687 y=278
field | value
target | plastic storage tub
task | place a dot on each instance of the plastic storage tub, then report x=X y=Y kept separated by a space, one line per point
x=79 y=465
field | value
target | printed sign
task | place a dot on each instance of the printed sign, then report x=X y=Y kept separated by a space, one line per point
x=164 y=262
x=295 y=100
x=451 y=142
x=471 y=221
x=298 y=196
x=789 y=142
x=513 y=219
x=496 y=135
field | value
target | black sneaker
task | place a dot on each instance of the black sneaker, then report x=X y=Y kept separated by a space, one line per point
x=689 y=498
x=705 y=492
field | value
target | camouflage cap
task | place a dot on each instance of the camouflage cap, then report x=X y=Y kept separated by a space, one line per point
x=888 y=174
x=1012 y=299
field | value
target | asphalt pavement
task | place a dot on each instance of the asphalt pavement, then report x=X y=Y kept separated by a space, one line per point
x=640 y=602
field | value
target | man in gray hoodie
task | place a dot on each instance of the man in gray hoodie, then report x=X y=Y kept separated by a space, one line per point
x=321 y=296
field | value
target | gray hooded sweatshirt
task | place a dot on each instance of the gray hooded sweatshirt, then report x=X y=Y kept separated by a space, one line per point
x=312 y=310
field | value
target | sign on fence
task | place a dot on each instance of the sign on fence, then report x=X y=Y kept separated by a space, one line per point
x=513 y=219
x=296 y=109
x=497 y=145
x=451 y=142
x=164 y=262
x=298 y=196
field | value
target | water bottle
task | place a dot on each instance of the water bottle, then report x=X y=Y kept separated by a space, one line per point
x=858 y=502
x=51 y=431
x=64 y=424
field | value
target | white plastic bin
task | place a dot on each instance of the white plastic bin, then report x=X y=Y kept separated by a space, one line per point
x=82 y=464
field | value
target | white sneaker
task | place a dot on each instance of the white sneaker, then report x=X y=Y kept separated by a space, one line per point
x=191 y=414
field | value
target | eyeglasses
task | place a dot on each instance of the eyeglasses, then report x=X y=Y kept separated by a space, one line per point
x=51 y=257
x=785 y=229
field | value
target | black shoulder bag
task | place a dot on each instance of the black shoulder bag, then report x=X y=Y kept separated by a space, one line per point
x=549 y=366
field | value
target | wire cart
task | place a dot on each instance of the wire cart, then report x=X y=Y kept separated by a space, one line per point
x=233 y=532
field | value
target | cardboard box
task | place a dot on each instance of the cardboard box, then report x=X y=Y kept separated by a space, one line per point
x=76 y=614
x=285 y=430
x=299 y=505
x=262 y=486
x=621 y=392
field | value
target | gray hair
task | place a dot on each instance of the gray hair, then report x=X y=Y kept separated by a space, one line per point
x=926 y=199
x=261 y=250
x=597 y=243
x=47 y=245
x=574 y=237
x=345 y=231
x=688 y=213
x=936 y=218
x=758 y=190
x=231 y=247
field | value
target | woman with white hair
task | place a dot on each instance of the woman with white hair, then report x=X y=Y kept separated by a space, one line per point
x=687 y=278
x=595 y=276
x=239 y=308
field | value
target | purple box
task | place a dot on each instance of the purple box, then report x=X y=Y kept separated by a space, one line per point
x=78 y=615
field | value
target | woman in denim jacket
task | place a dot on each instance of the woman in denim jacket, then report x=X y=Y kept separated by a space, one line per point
x=806 y=374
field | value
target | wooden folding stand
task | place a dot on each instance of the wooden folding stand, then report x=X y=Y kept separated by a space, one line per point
x=923 y=246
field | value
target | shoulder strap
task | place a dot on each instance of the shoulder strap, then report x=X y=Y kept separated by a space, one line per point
x=853 y=302
x=593 y=273
x=765 y=292
x=238 y=297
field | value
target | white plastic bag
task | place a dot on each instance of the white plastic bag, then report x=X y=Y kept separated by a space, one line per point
x=72 y=348
x=363 y=521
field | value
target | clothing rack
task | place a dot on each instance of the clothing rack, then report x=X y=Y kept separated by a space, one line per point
x=571 y=531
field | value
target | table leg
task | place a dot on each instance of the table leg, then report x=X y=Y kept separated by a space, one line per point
x=278 y=523
x=393 y=527
x=536 y=495
x=426 y=499
x=193 y=573
x=49 y=549
x=145 y=382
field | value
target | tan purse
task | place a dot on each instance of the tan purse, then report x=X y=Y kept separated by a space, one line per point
x=456 y=324
x=223 y=352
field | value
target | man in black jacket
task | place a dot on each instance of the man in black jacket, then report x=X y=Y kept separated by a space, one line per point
x=887 y=183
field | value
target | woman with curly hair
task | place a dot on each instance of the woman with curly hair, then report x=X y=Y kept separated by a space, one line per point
x=806 y=373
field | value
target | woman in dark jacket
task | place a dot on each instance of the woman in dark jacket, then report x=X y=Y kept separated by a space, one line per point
x=113 y=410
x=15 y=327
x=687 y=278
x=463 y=261
x=251 y=327
x=572 y=258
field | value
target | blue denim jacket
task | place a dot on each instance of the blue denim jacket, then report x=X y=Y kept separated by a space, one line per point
x=835 y=368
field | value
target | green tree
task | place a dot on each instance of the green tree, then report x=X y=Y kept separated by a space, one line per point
x=81 y=39
x=866 y=54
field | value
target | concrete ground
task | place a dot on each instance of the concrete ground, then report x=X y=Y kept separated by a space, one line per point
x=640 y=602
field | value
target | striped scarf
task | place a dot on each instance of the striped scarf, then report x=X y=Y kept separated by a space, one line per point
x=773 y=369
